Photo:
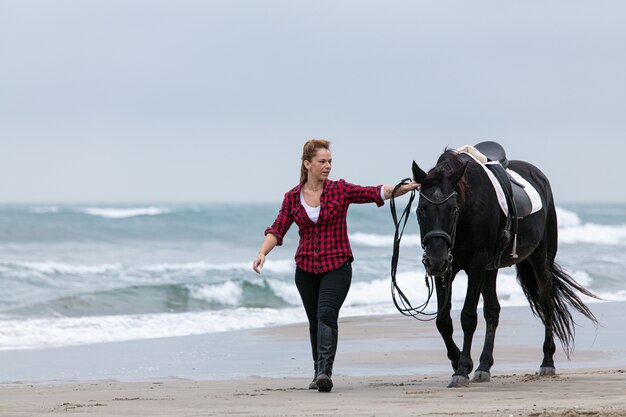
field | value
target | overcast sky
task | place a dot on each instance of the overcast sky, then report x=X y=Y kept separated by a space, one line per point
x=199 y=101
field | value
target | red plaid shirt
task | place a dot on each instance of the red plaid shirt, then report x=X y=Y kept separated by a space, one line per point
x=324 y=245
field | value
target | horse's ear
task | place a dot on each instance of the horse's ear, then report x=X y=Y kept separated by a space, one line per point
x=456 y=176
x=418 y=174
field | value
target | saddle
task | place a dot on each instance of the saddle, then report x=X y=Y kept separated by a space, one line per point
x=520 y=203
x=493 y=157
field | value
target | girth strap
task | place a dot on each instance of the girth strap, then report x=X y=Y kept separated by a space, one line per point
x=510 y=229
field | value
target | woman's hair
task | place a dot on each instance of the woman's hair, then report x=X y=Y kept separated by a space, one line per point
x=308 y=152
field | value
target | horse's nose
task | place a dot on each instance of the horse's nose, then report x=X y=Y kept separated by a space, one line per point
x=435 y=266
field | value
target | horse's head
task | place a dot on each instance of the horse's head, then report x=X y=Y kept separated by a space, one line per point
x=441 y=193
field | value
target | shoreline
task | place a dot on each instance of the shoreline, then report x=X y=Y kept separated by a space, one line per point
x=368 y=346
x=386 y=366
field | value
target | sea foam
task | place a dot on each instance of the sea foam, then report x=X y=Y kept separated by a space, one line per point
x=121 y=213
x=597 y=234
x=382 y=241
x=49 y=332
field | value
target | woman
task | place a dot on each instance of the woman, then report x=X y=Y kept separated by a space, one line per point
x=323 y=259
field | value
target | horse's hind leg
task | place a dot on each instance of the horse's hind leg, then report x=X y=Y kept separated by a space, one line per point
x=537 y=278
x=491 y=311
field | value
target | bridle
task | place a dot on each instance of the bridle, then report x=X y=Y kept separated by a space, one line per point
x=448 y=237
x=403 y=304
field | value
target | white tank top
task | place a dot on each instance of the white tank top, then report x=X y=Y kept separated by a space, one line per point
x=312 y=212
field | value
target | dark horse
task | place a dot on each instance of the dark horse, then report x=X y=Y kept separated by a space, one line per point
x=461 y=225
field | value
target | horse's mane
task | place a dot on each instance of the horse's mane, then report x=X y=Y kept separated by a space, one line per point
x=447 y=163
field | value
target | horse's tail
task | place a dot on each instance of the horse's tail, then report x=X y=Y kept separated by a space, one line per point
x=564 y=292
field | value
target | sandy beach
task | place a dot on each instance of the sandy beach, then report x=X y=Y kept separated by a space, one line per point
x=573 y=393
x=386 y=366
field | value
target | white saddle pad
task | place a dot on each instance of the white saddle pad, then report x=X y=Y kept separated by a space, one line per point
x=528 y=188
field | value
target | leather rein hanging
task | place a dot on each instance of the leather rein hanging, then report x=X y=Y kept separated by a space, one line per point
x=402 y=303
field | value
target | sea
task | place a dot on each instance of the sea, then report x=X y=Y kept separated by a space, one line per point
x=90 y=274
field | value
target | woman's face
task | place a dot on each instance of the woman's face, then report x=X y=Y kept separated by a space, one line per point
x=319 y=167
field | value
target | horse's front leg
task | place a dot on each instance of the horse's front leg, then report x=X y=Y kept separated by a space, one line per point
x=444 y=320
x=469 y=320
x=491 y=310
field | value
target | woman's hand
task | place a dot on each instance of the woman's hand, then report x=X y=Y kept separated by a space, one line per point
x=410 y=186
x=257 y=264
x=403 y=189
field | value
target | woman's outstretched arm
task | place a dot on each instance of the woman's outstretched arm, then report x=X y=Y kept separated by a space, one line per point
x=268 y=244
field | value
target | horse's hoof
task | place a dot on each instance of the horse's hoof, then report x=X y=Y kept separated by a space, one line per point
x=547 y=371
x=481 y=376
x=458 y=381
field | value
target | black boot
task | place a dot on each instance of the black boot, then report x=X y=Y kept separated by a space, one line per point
x=324 y=383
x=313 y=336
x=326 y=349
x=313 y=384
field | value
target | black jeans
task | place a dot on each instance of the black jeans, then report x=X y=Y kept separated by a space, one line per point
x=322 y=296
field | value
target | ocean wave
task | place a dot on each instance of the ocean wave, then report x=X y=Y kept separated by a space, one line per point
x=88 y=288
x=287 y=291
x=55 y=268
x=71 y=289
x=94 y=299
x=381 y=241
x=279 y=266
x=573 y=230
x=567 y=218
x=240 y=304
x=276 y=266
x=121 y=213
x=413 y=286
x=49 y=332
x=248 y=293
x=226 y=293
x=52 y=332
x=598 y=234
